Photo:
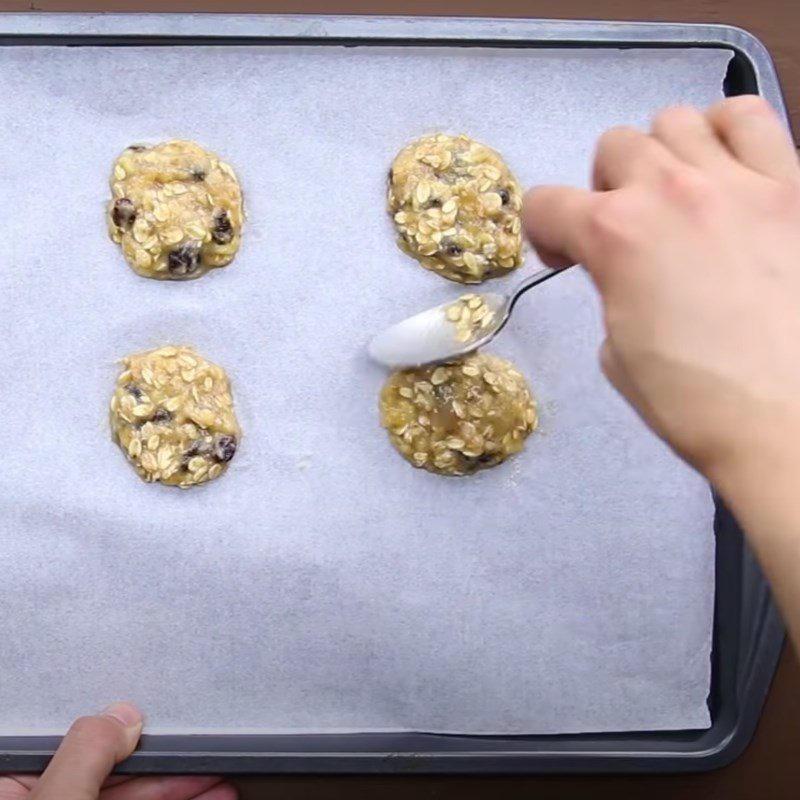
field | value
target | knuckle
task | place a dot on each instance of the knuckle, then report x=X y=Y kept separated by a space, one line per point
x=620 y=134
x=674 y=117
x=610 y=221
x=687 y=187
x=748 y=104
x=732 y=108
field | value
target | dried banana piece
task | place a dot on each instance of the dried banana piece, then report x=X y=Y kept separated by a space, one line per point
x=172 y=415
x=176 y=210
x=457 y=418
x=456 y=207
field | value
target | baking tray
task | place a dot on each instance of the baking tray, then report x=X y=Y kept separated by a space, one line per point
x=748 y=634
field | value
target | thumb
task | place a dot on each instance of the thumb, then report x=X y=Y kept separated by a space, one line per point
x=88 y=753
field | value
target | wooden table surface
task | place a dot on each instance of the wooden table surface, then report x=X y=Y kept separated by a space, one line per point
x=770 y=768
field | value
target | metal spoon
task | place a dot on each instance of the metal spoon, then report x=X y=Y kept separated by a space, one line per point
x=433 y=335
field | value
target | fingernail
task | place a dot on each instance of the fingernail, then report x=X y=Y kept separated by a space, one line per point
x=125 y=713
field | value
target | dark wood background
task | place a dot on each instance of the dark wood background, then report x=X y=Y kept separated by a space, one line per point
x=770 y=768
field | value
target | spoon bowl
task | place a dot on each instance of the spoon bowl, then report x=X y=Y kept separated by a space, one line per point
x=451 y=330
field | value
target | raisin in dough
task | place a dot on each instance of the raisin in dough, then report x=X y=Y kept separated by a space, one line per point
x=172 y=415
x=456 y=207
x=457 y=418
x=176 y=210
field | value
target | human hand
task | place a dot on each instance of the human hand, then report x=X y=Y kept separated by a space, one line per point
x=692 y=236
x=80 y=768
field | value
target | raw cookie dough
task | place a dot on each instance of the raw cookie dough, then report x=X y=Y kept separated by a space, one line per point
x=471 y=316
x=456 y=208
x=176 y=209
x=457 y=418
x=172 y=415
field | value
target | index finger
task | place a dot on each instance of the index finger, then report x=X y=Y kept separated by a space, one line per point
x=554 y=218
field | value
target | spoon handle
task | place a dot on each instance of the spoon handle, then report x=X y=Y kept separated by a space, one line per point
x=545 y=273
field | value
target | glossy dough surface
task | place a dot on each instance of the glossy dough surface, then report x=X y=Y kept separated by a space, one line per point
x=456 y=207
x=457 y=418
x=172 y=415
x=176 y=210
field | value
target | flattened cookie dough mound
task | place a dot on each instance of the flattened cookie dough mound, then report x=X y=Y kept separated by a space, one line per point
x=456 y=207
x=457 y=418
x=172 y=415
x=176 y=210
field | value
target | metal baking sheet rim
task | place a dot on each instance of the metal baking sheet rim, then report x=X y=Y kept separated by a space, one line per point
x=748 y=633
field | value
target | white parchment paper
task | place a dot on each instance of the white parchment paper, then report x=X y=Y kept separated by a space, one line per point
x=323 y=584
